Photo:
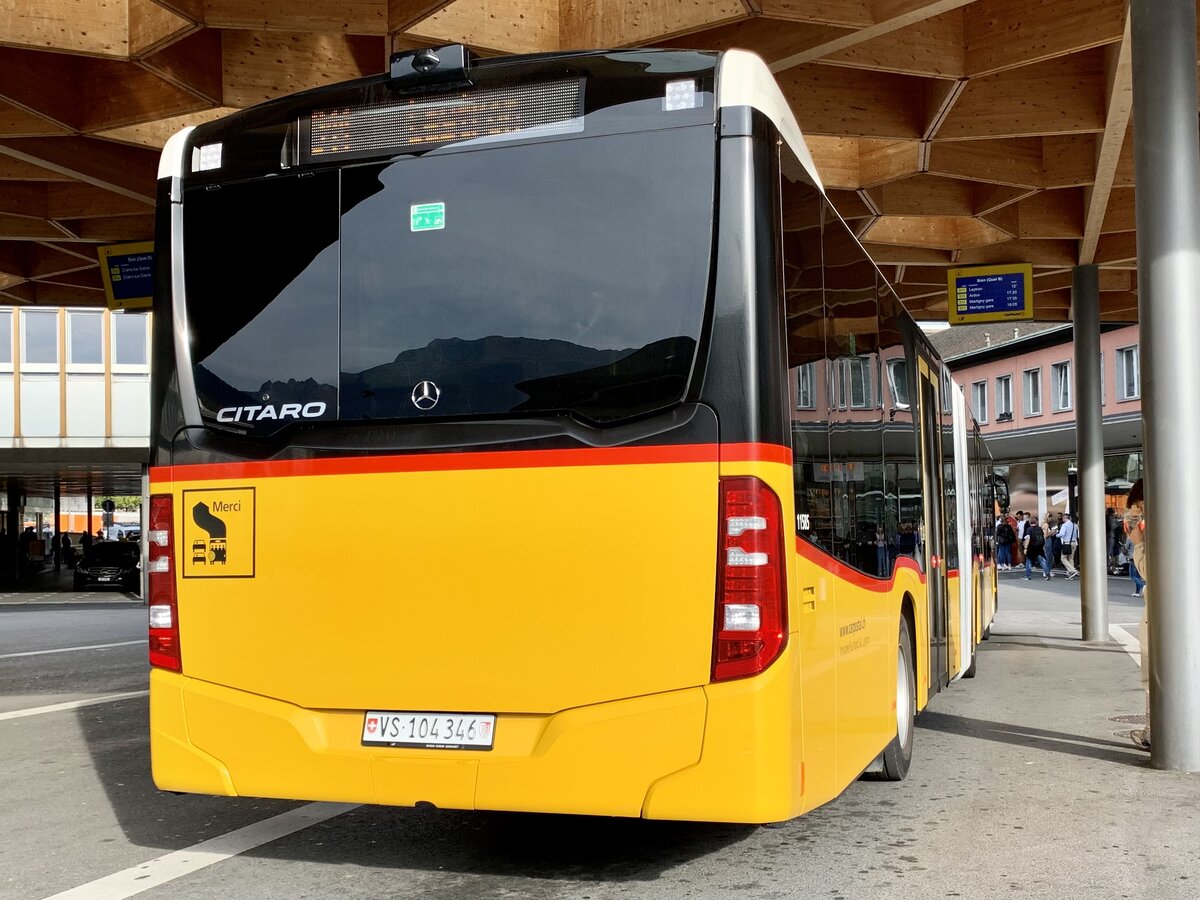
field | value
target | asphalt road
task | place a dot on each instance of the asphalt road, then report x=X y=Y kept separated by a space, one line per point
x=1021 y=786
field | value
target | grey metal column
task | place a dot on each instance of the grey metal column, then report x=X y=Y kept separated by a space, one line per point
x=1089 y=438
x=1167 y=165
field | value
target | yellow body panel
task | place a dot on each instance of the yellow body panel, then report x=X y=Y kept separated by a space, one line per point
x=279 y=668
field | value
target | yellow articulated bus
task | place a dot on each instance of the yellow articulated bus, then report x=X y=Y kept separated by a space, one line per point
x=531 y=434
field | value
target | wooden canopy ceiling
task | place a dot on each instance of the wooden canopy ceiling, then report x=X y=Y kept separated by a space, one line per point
x=948 y=132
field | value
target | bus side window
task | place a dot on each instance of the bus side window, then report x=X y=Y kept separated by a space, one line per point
x=803 y=285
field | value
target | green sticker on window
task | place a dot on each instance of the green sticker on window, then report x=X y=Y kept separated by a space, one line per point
x=427 y=216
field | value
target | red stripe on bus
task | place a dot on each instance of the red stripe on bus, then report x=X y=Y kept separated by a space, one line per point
x=835 y=566
x=505 y=459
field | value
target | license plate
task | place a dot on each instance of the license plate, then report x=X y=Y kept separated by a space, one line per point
x=432 y=731
x=104 y=578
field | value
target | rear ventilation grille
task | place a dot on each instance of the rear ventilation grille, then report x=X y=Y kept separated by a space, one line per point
x=553 y=107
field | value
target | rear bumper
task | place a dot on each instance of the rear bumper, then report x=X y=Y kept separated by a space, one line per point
x=717 y=753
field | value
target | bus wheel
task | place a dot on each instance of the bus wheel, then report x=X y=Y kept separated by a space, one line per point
x=898 y=754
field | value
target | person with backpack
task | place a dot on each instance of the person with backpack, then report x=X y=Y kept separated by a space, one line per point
x=1035 y=550
x=1005 y=538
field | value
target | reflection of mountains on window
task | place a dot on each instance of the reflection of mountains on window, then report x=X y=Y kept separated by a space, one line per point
x=215 y=393
x=496 y=375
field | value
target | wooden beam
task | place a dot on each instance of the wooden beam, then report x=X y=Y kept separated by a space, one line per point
x=940 y=97
x=1121 y=214
x=24 y=293
x=836 y=159
x=83 y=277
x=124 y=170
x=933 y=48
x=1119 y=68
x=193 y=64
x=1006 y=218
x=117 y=229
x=153 y=27
x=892 y=16
x=845 y=13
x=263 y=65
x=1039 y=253
x=84 y=201
x=44 y=84
x=880 y=162
x=1052 y=214
x=938 y=232
x=1116 y=248
x=625 y=23
x=1059 y=96
x=891 y=253
x=1068 y=160
x=924 y=195
x=1003 y=34
x=771 y=39
x=837 y=101
x=92 y=29
x=405 y=14
x=154 y=135
x=17 y=122
x=990 y=197
x=114 y=94
x=1109 y=280
x=849 y=204
x=37 y=293
x=325 y=16
x=192 y=10
x=532 y=27
x=23 y=228
x=26 y=199
x=1016 y=161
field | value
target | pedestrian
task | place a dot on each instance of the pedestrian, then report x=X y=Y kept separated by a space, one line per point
x=85 y=542
x=881 y=551
x=1069 y=535
x=1135 y=527
x=1055 y=540
x=1005 y=538
x=1035 y=550
x=906 y=541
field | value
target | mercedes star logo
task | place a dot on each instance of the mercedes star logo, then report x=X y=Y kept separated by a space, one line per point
x=425 y=395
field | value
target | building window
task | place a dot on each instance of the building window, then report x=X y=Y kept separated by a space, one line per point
x=85 y=340
x=898 y=381
x=1060 y=385
x=837 y=383
x=1129 y=383
x=860 y=381
x=806 y=393
x=979 y=401
x=1004 y=407
x=129 y=339
x=39 y=340
x=6 y=324
x=1033 y=392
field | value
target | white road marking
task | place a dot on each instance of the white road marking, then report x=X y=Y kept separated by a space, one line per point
x=71 y=649
x=1131 y=644
x=162 y=869
x=71 y=704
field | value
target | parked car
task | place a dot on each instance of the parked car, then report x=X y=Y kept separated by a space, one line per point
x=110 y=564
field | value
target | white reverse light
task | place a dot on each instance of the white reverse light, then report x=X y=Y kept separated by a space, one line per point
x=160 y=617
x=738 y=525
x=160 y=564
x=736 y=556
x=680 y=95
x=159 y=537
x=742 y=617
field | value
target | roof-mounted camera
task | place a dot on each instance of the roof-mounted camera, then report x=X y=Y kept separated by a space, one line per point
x=415 y=70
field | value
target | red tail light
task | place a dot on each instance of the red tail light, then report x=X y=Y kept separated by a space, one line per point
x=160 y=581
x=751 y=623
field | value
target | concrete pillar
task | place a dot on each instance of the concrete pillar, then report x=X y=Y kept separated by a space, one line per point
x=1089 y=452
x=1167 y=166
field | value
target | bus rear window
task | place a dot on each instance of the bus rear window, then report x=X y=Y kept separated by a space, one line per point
x=555 y=277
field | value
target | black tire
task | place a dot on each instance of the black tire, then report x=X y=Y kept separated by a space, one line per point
x=897 y=756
